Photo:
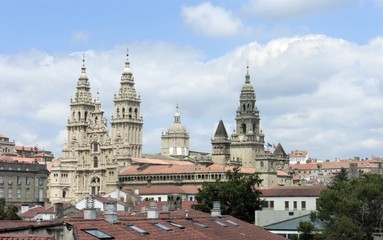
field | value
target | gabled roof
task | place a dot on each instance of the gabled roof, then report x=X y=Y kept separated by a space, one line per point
x=34 y=211
x=197 y=225
x=292 y=191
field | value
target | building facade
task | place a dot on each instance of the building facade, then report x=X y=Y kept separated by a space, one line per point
x=91 y=157
x=23 y=182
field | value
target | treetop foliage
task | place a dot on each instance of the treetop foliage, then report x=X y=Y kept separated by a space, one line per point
x=239 y=196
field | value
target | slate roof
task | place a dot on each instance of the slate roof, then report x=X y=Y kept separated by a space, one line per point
x=191 y=227
x=220 y=133
x=291 y=224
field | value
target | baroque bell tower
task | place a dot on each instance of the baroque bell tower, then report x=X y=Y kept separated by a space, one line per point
x=248 y=139
x=126 y=119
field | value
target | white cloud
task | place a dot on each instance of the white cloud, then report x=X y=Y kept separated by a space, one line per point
x=79 y=37
x=211 y=21
x=285 y=9
x=314 y=92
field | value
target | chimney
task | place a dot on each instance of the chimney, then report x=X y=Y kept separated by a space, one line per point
x=137 y=191
x=152 y=211
x=216 y=211
x=89 y=210
x=24 y=207
x=110 y=211
x=59 y=210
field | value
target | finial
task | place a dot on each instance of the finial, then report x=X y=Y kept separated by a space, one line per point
x=83 y=59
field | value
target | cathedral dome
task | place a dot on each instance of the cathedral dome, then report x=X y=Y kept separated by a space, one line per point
x=247 y=87
x=177 y=126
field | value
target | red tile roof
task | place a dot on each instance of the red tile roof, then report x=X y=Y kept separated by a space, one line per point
x=18 y=159
x=168 y=189
x=190 y=229
x=170 y=168
x=12 y=225
x=184 y=205
x=334 y=165
x=26 y=237
x=292 y=191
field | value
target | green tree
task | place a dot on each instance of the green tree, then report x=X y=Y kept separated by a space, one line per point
x=351 y=209
x=307 y=230
x=8 y=212
x=238 y=196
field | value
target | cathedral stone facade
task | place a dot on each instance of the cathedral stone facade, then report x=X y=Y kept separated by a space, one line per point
x=92 y=158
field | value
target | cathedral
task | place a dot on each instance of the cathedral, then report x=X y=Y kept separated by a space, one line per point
x=96 y=161
x=92 y=157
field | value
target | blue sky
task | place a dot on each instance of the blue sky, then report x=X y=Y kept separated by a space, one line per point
x=315 y=65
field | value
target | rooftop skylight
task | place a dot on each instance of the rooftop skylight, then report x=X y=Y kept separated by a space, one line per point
x=176 y=225
x=218 y=222
x=137 y=229
x=98 y=234
x=163 y=227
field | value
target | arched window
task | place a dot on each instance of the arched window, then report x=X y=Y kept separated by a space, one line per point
x=95 y=162
x=86 y=115
x=79 y=116
x=64 y=193
x=95 y=147
x=135 y=113
x=243 y=127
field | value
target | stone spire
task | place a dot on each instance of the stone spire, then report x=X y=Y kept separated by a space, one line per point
x=126 y=119
x=221 y=145
x=220 y=133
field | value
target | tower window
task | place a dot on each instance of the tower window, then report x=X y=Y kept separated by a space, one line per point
x=95 y=162
x=243 y=127
x=79 y=116
x=95 y=147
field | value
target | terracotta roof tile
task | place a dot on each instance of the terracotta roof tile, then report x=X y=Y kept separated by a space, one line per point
x=164 y=169
x=292 y=191
x=26 y=237
x=190 y=229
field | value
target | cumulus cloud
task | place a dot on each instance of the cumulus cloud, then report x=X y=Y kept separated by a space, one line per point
x=211 y=21
x=314 y=92
x=286 y=9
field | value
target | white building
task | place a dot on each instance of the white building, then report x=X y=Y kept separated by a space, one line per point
x=287 y=202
